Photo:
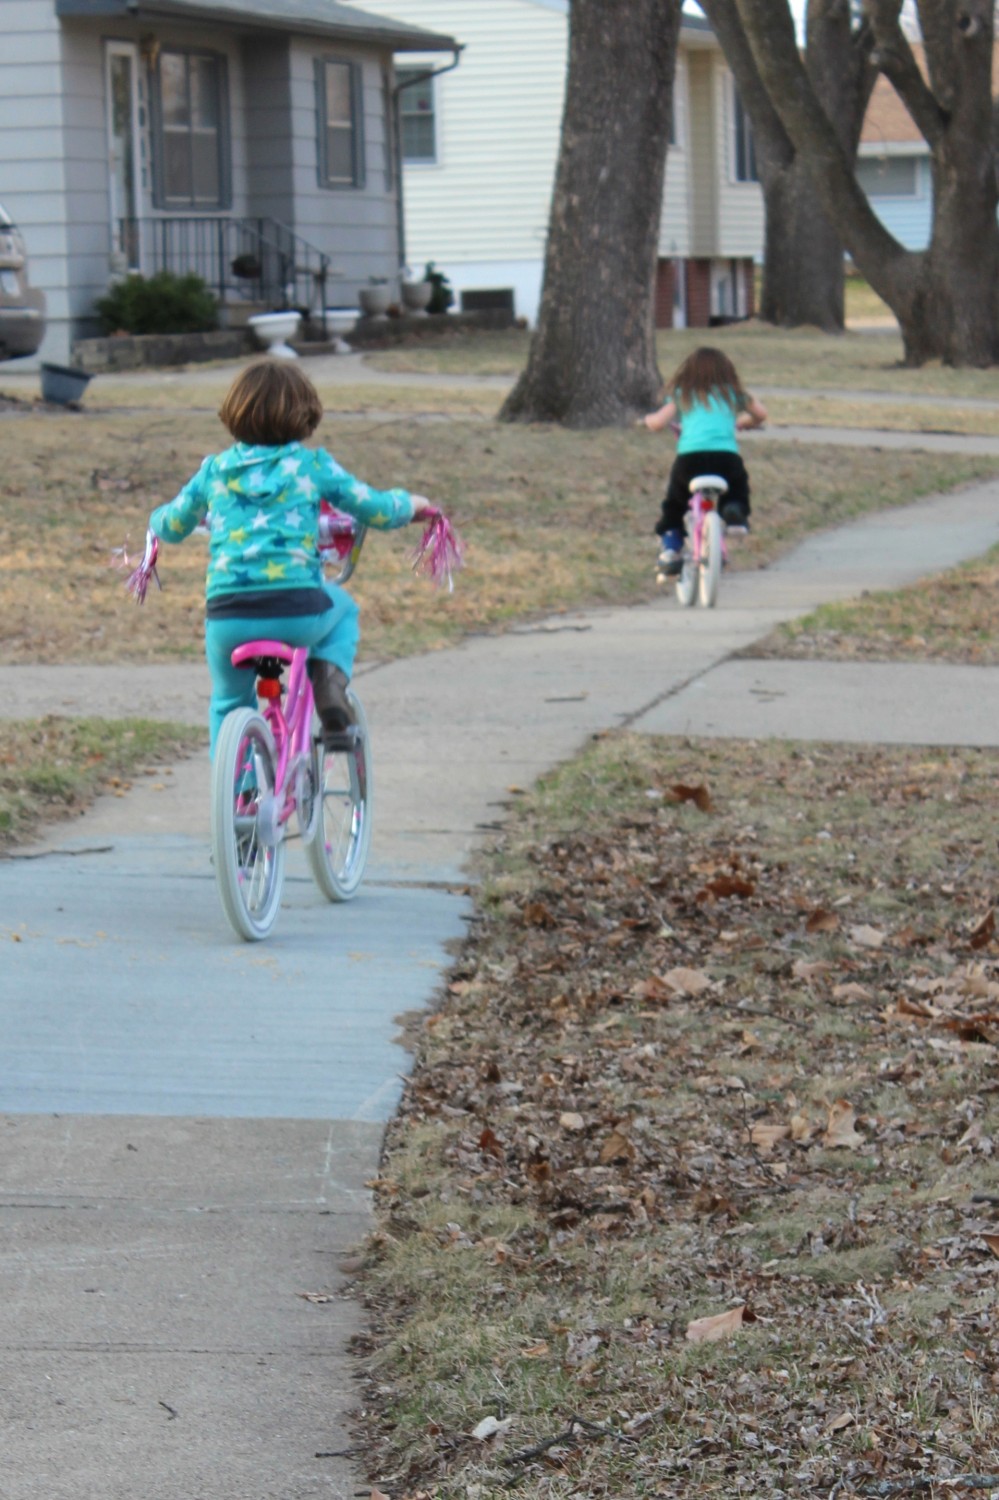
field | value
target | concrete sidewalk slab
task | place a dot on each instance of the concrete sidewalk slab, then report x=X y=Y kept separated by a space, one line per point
x=166 y=1346
x=891 y=703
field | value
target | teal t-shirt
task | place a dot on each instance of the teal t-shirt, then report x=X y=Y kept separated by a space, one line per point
x=707 y=425
x=261 y=506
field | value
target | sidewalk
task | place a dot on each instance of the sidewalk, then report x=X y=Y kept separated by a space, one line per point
x=190 y=1123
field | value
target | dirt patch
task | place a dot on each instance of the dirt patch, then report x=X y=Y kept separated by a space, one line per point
x=692 y=1189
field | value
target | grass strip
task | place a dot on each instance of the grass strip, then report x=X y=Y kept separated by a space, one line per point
x=951 y=617
x=54 y=767
x=691 y=1192
x=553 y=520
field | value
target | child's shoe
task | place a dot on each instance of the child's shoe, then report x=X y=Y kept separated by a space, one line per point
x=329 y=689
x=670 y=560
x=735 y=516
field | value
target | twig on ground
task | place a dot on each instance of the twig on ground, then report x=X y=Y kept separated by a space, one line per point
x=590 y=1429
x=775 y=1182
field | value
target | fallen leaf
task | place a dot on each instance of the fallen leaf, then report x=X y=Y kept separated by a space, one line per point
x=490 y=1145
x=729 y=885
x=653 y=989
x=850 y=991
x=536 y=1351
x=822 y=921
x=537 y=914
x=868 y=937
x=767 y=1136
x=721 y=1326
x=985 y=931
x=841 y=1127
x=802 y=969
x=836 y=1424
x=489 y=1427
x=571 y=1121
x=802 y=1128
x=699 y=795
x=992 y=1240
x=616 y=1147
x=317 y=1297
x=687 y=981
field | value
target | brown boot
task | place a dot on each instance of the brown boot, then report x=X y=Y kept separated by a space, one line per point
x=329 y=688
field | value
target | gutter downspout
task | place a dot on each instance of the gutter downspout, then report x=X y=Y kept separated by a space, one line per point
x=397 y=134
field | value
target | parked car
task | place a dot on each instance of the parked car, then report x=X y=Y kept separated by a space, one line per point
x=22 y=307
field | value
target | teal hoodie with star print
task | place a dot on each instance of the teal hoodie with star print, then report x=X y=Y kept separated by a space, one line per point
x=261 y=506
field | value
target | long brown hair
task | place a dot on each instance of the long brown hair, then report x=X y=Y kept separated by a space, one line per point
x=271 y=403
x=707 y=372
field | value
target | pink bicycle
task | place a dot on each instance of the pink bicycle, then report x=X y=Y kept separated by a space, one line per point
x=704 y=552
x=273 y=764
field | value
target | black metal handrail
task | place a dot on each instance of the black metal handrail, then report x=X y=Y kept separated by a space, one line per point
x=261 y=257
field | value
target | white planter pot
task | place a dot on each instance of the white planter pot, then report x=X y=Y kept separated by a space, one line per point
x=416 y=297
x=273 y=330
x=375 y=300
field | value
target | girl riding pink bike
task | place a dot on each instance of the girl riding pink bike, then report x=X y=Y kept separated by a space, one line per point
x=267 y=504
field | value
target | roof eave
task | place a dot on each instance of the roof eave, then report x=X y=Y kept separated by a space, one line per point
x=407 y=40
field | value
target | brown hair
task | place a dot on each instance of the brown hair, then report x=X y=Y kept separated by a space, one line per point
x=270 y=403
x=704 y=373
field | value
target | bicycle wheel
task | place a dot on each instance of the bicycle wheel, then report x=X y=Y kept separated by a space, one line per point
x=686 y=583
x=339 y=851
x=247 y=842
x=711 y=559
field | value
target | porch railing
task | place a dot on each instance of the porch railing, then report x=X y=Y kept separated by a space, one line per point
x=260 y=259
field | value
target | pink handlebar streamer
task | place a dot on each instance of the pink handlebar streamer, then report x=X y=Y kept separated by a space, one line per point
x=139 y=573
x=441 y=551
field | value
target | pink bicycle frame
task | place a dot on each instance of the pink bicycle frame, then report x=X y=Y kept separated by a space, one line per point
x=700 y=506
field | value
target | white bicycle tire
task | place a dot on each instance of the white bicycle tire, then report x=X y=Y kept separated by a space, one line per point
x=711 y=559
x=686 y=581
x=249 y=874
x=338 y=853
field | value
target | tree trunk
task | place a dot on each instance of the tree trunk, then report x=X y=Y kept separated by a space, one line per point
x=802 y=255
x=946 y=298
x=592 y=360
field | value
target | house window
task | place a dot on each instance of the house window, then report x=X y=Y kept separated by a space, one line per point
x=743 y=145
x=889 y=176
x=417 y=116
x=190 y=130
x=341 y=150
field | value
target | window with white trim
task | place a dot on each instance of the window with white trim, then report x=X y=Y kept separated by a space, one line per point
x=889 y=176
x=340 y=145
x=190 y=128
x=743 y=145
x=417 y=116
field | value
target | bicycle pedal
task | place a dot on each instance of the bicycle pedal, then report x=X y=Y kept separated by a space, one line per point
x=343 y=740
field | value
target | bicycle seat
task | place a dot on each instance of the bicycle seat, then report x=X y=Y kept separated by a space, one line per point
x=709 y=484
x=268 y=658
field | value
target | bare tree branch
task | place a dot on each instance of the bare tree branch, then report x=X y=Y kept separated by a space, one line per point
x=897 y=62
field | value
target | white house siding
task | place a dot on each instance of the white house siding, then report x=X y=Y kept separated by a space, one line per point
x=32 y=186
x=740 y=204
x=358 y=226
x=481 y=212
x=674 y=223
x=703 y=153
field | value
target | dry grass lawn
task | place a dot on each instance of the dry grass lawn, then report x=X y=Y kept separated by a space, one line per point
x=949 y=618
x=692 y=1193
x=553 y=521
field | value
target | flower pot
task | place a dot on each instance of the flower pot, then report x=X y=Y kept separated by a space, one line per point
x=375 y=299
x=416 y=297
x=63 y=386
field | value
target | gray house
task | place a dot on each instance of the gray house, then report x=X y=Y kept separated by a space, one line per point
x=252 y=141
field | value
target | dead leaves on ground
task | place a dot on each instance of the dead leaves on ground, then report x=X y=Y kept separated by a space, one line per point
x=740 y=1060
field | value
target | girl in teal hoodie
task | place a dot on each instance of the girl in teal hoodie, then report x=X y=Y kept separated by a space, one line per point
x=260 y=500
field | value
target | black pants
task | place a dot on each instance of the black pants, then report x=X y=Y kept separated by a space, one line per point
x=687 y=466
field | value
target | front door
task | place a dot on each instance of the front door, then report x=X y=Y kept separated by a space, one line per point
x=122 y=64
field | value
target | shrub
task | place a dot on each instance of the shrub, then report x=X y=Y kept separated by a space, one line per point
x=164 y=303
x=443 y=294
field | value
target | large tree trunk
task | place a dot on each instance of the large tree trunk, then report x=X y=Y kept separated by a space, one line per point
x=803 y=251
x=802 y=255
x=592 y=361
x=946 y=298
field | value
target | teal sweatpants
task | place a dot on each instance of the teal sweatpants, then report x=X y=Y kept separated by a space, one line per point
x=331 y=636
